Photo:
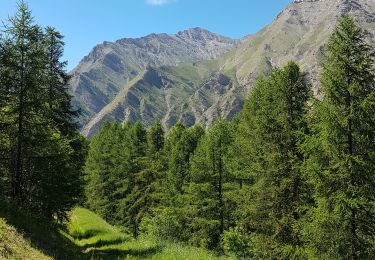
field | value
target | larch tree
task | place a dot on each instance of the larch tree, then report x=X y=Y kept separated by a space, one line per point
x=42 y=158
x=209 y=202
x=341 y=150
x=268 y=156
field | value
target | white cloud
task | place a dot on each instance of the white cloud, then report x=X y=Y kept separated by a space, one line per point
x=157 y=2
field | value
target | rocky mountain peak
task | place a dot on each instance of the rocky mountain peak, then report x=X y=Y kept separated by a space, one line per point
x=109 y=66
x=201 y=34
x=159 y=77
x=341 y=6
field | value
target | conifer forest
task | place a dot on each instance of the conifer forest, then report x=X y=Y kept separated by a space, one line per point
x=290 y=176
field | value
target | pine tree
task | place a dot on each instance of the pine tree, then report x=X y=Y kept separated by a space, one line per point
x=209 y=201
x=179 y=159
x=42 y=156
x=105 y=168
x=341 y=150
x=131 y=203
x=155 y=139
x=24 y=50
x=174 y=135
x=169 y=217
x=267 y=152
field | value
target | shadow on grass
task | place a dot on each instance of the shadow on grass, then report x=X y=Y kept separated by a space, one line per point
x=46 y=237
x=102 y=242
x=43 y=235
x=112 y=253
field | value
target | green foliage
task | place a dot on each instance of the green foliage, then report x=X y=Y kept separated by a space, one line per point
x=166 y=224
x=340 y=150
x=237 y=243
x=41 y=153
x=169 y=217
x=155 y=139
x=179 y=158
x=266 y=151
x=100 y=240
x=210 y=200
x=122 y=172
x=290 y=178
x=105 y=163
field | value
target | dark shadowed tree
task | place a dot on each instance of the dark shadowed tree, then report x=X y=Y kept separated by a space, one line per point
x=42 y=155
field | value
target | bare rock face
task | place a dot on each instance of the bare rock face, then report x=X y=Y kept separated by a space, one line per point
x=128 y=80
x=110 y=65
x=298 y=33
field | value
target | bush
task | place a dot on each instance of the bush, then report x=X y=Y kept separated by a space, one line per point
x=166 y=224
x=237 y=243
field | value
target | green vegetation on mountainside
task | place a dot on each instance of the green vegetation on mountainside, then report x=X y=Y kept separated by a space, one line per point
x=23 y=233
x=99 y=240
x=86 y=236
x=13 y=245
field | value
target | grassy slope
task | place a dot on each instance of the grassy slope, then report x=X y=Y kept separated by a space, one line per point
x=100 y=240
x=86 y=236
x=13 y=244
x=22 y=236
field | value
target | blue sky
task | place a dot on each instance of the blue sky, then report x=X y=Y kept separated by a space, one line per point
x=86 y=23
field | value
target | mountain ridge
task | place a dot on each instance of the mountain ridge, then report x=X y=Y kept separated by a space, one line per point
x=101 y=74
x=299 y=33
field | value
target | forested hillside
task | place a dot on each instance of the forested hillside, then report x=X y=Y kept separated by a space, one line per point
x=292 y=176
x=206 y=90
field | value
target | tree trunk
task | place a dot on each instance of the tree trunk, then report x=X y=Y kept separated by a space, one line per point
x=17 y=179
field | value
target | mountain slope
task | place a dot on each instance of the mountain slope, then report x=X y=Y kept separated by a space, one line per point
x=298 y=33
x=172 y=94
x=109 y=66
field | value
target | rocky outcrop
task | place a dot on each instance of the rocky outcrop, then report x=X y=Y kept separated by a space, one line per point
x=110 y=65
x=205 y=90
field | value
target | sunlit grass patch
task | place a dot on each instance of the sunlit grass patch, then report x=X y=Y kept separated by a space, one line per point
x=100 y=240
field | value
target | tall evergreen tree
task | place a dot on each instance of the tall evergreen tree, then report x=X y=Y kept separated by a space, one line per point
x=170 y=216
x=132 y=204
x=147 y=189
x=41 y=159
x=155 y=138
x=179 y=158
x=267 y=152
x=174 y=135
x=209 y=199
x=341 y=150
x=106 y=165
x=24 y=50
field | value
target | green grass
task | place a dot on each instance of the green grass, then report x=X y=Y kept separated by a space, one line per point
x=176 y=251
x=22 y=233
x=84 y=223
x=85 y=236
x=99 y=240
x=14 y=245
